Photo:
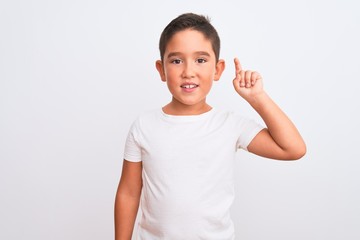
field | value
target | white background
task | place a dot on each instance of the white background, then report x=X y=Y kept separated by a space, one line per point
x=74 y=74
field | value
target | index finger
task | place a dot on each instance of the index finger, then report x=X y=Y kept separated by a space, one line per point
x=238 y=67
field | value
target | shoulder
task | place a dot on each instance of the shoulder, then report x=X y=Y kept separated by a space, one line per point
x=237 y=121
x=148 y=115
x=146 y=119
x=229 y=115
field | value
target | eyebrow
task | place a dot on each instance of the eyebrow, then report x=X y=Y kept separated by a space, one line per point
x=171 y=54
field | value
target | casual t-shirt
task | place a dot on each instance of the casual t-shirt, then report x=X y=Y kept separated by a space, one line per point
x=188 y=183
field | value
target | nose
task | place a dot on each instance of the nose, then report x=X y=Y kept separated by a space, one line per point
x=188 y=71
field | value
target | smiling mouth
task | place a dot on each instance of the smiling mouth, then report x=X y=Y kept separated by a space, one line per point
x=189 y=86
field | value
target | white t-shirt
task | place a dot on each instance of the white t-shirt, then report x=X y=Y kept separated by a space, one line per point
x=188 y=184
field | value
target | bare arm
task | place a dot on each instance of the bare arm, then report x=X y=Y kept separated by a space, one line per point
x=281 y=140
x=127 y=199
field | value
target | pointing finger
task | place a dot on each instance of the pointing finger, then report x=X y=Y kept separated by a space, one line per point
x=238 y=67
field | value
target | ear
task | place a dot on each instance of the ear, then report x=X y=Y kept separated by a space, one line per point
x=160 y=69
x=220 y=66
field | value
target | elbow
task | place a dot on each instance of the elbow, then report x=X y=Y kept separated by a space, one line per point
x=298 y=153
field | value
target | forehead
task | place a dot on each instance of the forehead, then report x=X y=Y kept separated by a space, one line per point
x=188 y=42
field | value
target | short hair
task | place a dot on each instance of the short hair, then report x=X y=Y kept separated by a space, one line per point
x=190 y=21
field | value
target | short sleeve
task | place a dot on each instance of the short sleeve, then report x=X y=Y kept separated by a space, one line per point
x=247 y=129
x=132 y=150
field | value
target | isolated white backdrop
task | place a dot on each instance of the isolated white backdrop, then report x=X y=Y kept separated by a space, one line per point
x=75 y=74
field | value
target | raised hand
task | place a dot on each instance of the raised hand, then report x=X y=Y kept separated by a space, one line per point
x=280 y=140
x=247 y=83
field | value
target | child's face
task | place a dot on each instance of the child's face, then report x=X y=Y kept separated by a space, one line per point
x=189 y=67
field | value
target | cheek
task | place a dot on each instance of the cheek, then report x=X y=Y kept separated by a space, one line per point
x=209 y=84
x=171 y=69
x=211 y=73
x=171 y=72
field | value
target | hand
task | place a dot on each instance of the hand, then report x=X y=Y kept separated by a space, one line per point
x=248 y=83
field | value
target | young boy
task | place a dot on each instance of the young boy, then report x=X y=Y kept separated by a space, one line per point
x=179 y=159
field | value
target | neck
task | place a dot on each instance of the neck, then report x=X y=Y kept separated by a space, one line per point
x=177 y=108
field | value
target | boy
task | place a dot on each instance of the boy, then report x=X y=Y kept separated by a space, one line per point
x=179 y=159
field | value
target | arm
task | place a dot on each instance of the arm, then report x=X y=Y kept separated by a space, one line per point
x=127 y=199
x=281 y=140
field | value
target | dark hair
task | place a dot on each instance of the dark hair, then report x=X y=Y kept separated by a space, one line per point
x=190 y=21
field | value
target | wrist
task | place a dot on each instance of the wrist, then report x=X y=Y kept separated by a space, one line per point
x=258 y=99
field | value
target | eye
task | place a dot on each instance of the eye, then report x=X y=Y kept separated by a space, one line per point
x=201 y=60
x=176 y=61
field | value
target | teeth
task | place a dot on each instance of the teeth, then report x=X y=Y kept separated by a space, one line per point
x=189 y=86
